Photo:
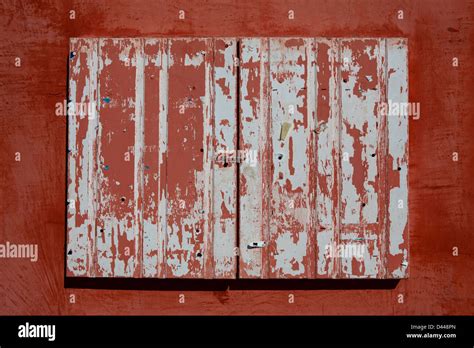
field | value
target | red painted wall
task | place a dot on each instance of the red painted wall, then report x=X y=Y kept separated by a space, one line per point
x=33 y=191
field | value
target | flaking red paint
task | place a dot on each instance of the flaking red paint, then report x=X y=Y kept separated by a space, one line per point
x=147 y=198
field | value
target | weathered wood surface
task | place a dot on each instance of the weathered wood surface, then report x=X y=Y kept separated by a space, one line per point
x=146 y=196
x=154 y=185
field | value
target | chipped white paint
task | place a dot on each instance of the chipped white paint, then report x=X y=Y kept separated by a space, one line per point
x=81 y=187
x=225 y=179
x=297 y=199
x=289 y=226
x=117 y=237
x=254 y=119
x=290 y=253
x=328 y=114
x=208 y=102
x=194 y=60
x=162 y=148
x=362 y=140
x=398 y=150
x=358 y=114
x=139 y=117
x=153 y=50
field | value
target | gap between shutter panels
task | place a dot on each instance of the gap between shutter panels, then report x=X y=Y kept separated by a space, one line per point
x=149 y=197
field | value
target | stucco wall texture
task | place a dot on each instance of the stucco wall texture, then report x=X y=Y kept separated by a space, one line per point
x=33 y=190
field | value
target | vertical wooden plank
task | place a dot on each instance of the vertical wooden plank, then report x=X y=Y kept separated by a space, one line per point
x=397 y=171
x=328 y=160
x=381 y=155
x=188 y=154
x=139 y=149
x=208 y=103
x=312 y=165
x=82 y=137
x=154 y=175
x=163 y=160
x=291 y=254
x=151 y=199
x=362 y=216
x=223 y=258
x=254 y=140
x=119 y=172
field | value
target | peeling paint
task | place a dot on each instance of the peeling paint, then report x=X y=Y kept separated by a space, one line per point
x=147 y=197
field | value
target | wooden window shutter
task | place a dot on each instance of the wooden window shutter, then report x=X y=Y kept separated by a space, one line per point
x=237 y=158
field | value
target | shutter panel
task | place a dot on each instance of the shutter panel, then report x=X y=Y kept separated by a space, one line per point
x=152 y=201
x=324 y=199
